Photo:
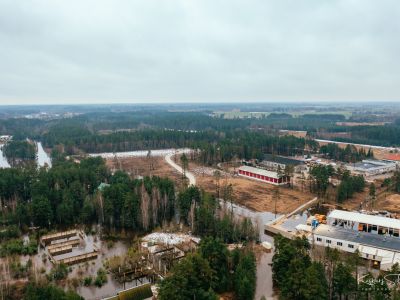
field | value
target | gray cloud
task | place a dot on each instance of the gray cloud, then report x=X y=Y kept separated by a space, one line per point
x=198 y=50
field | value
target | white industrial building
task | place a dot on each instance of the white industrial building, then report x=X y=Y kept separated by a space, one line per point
x=376 y=238
x=383 y=251
x=370 y=167
x=364 y=222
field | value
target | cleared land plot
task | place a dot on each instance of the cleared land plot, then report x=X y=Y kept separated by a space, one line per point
x=391 y=203
x=250 y=193
x=384 y=200
x=142 y=166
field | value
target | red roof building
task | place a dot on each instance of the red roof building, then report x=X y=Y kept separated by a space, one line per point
x=263 y=175
x=393 y=157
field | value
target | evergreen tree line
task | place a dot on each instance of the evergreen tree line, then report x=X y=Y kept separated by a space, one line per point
x=387 y=135
x=62 y=195
x=90 y=123
x=85 y=192
x=210 y=271
x=69 y=193
x=333 y=276
x=320 y=175
x=348 y=154
x=164 y=119
x=215 y=146
x=349 y=185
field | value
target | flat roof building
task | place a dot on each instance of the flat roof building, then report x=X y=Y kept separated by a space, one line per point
x=364 y=223
x=382 y=250
x=274 y=161
x=370 y=167
x=358 y=217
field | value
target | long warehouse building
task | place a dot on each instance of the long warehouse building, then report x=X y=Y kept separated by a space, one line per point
x=263 y=175
x=364 y=223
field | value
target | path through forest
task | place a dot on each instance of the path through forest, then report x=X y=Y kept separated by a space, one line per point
x=189 y=175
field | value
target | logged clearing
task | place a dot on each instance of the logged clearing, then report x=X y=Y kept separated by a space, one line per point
x=250 y=193
x=390 y=203
x=143 y=166
x=385 y=200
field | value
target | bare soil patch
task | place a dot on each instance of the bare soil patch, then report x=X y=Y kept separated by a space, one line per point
x=385 y=200
x=251 y=193
x=142 y=166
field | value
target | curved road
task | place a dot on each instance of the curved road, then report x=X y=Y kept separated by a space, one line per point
x=189 y=175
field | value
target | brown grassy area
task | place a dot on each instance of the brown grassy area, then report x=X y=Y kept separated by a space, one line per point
x=251 y=193
x=384 y=201
x=144 y=167
x=391 y=203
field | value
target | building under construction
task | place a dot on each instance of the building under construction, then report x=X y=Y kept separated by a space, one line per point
x=62 y=247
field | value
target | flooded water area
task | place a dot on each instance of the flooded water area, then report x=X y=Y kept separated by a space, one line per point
x=43 y=158
x=3 y=160
x=43 y=263
x=264 y=259
x=258 y=219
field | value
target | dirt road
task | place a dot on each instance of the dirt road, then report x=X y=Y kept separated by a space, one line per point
x=189 y=175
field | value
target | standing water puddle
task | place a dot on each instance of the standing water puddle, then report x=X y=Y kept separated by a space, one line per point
x=264 y=285
x=3 y=160
x=43 y=158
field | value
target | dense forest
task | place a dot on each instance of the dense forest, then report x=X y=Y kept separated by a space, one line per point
x=349 y=185
x=211 y=270
x=106 y=120
x=86 y=192
x=387 y=135
x=219 y=138
x=348 y=154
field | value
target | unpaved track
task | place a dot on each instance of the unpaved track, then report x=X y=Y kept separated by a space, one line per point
x=189 y=175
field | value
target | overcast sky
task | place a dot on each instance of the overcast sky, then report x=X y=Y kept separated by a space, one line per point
x=198 y=50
